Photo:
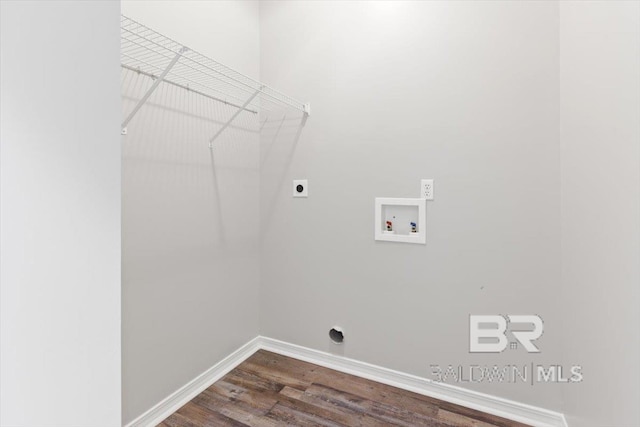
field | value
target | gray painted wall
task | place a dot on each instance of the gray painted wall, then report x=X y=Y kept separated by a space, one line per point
x=59 y=214
x=488 y=98
x=600 y=110
x=189 y=218
x=462 y=92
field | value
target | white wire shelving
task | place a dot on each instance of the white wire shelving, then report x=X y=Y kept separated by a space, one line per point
x=166 y=61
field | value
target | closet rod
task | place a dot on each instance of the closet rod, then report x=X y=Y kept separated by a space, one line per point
x=185 y=87
x=188 y=82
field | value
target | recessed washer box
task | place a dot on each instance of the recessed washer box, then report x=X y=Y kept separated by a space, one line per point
x=408 y=218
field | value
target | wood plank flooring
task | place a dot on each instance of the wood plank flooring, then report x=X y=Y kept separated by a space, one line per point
x=270 y=390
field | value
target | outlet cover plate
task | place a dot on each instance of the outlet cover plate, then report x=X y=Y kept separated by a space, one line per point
x=300 y=192
x=426 y=189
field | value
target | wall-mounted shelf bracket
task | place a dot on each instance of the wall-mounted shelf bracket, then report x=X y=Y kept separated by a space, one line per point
x=240 y=110
x=152 y=89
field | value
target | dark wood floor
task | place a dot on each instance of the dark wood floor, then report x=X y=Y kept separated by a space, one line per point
x=272 y=390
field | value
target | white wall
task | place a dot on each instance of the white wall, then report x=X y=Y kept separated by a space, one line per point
x=60 y=214
x=473 y=103
x=600 y=110
x=527 y=116
x=462 y=92
x=190 y=215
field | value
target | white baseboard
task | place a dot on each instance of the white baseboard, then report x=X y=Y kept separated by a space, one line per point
x=176 y=400
x=504 y=408
x=509 y=409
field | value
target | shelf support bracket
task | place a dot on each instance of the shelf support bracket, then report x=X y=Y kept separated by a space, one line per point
x=152 y=89
x=240 y=110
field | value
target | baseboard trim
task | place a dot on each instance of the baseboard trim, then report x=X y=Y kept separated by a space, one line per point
x=498 y=406
x=509 y=409
x=176 y=400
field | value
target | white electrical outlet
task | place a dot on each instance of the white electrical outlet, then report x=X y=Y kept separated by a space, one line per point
x=426 y=189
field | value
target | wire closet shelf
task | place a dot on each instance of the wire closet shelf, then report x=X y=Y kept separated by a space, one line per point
x=154 y=55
